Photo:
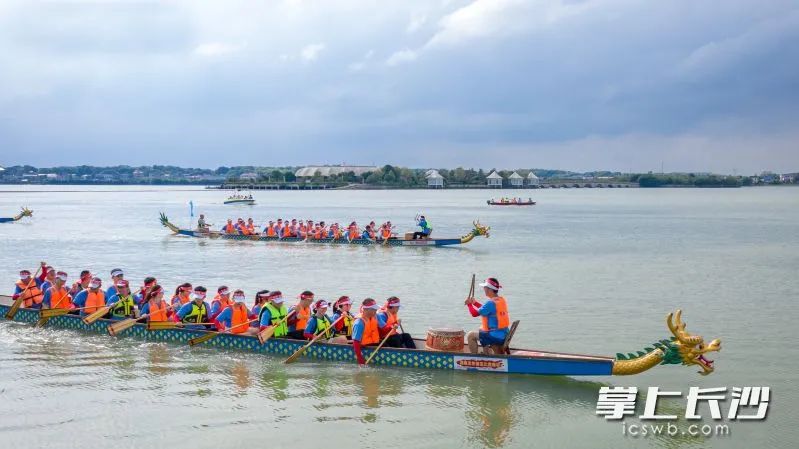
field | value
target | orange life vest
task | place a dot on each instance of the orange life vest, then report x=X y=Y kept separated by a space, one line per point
x=353 y=233
x=32 y=295
x=182 y=298
x=303 y=313
x=240 y=316
x=93 y=301
x=230 y=229
x=245 y=230
x=251 y=228
x=286 y=230
x=60 y=298
x=391 y=319
x=157 y=313
x=386 y=233
x=270 y=231
x=503 y=319
x=371 y=333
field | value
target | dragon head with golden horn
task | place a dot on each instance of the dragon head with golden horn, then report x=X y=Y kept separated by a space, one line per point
x=24 y=213
x=478 y=230
x=682 y=349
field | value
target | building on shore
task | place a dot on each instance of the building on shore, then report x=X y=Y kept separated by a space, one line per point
x=326 y=171
x=532 y=179
x=494 y=180
x=515 y=180
x=434 y=179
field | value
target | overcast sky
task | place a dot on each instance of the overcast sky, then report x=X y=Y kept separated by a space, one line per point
x=580 y=85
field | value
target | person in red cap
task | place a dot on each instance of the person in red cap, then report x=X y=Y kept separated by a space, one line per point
x=122 y=304
x=299 y=320
x=494 y=314
x=149 y=283
x=49 y=278
x=154 y=305
x=29 y=288
x=182 y=295
x=388 y=317
x=343 y=327
x=366 y=330
x=92 y=298
x=235 y=317
x=273 y=313
x=321 y=323
x=81 y=284
x=57 y=296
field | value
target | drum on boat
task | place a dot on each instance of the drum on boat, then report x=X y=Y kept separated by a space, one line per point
x=445 y=339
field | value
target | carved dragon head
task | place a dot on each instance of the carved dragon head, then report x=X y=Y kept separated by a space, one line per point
x=480 y=229
x=24 y=213
x=691 y=348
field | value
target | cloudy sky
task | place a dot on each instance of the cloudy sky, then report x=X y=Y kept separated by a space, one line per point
x=581 y=85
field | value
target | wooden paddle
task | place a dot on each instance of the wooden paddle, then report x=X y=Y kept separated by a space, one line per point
x=212 y=335
x=319 y=335
x=268 y=332
x=42 y=321
x=12 y=312
x=99 y=313
x=120 y=326
x=166 y=325
x=52 y=313
x=385 y=339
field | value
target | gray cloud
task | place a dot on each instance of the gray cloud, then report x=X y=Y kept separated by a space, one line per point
x=608 y=83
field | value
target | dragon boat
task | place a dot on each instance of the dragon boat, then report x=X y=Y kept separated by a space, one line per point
x=24 y=213
x=476 y=231
x=508 y=203
x=681 y=349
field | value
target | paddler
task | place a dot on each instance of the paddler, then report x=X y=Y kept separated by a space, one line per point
x=29 y=288
x=122 y=304
x=90 y=299
x=341 y=307
x=272 y=314
x=229 y=227
x=426 y=229
x=196 y=311
x=388 y=317
x=366 y=330
x=182 y=295
x=299 y=320
x=116 y=275
x=220 y=301
x=270 y=230
x=81 y=284
x=494 y=313
x=321 y=323
x=49 y=278
x=57 y=296
x=241 y=226
x=140 y=298
x=235 y=317
x=260 y=299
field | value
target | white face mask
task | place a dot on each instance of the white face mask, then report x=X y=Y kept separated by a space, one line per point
x=238 y=298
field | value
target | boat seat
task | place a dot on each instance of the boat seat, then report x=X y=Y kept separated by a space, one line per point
x=505 y=349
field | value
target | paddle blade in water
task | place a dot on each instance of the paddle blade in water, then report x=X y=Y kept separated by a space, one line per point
x=266 y=334
x=161 y=325
x=203 y=339
x=42 y=321
x=96 y=315
x=50 y=313
x=116 y=328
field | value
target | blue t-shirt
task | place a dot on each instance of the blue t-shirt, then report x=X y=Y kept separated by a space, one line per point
x=357 y=329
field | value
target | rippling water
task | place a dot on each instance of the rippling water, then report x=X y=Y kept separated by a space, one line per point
x=586 y=270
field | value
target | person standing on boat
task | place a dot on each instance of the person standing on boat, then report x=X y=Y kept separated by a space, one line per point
x=92 y=298
x=344 y=327
x=122 y=301
x=494 y=314
x=272 y=314
x=426 y=229
x=116 y=275
x=196 y=311
x=235 y=317
x=366 y=329
x=220 y=301
x=388 y=319
x=57 y=296
x=299 y=320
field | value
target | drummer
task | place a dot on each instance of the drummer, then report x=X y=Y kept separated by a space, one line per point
x=494 y=313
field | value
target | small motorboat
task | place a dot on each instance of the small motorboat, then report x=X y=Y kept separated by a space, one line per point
x=513 y=202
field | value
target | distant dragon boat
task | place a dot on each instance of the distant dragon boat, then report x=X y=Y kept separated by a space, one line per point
x=510 y=203
x=477 y=230
x=681 y=349
x=25 y=213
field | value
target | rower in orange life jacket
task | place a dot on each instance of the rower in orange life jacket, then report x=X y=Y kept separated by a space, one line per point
x=235 y=318
x=286 y=229
x=299 y=320
x=57 y=296
x=366 y=330
x=388 y=317
x=353 y=231
x=494 y=316
x=220 y=301
x=90 y=299
x=342 y=307
x=155 y=306
x=182 y=295
x=270 y=229
x=250 y=226
x=27 y=287
x=242 y=227
x=229 y=228
x=385 y=231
